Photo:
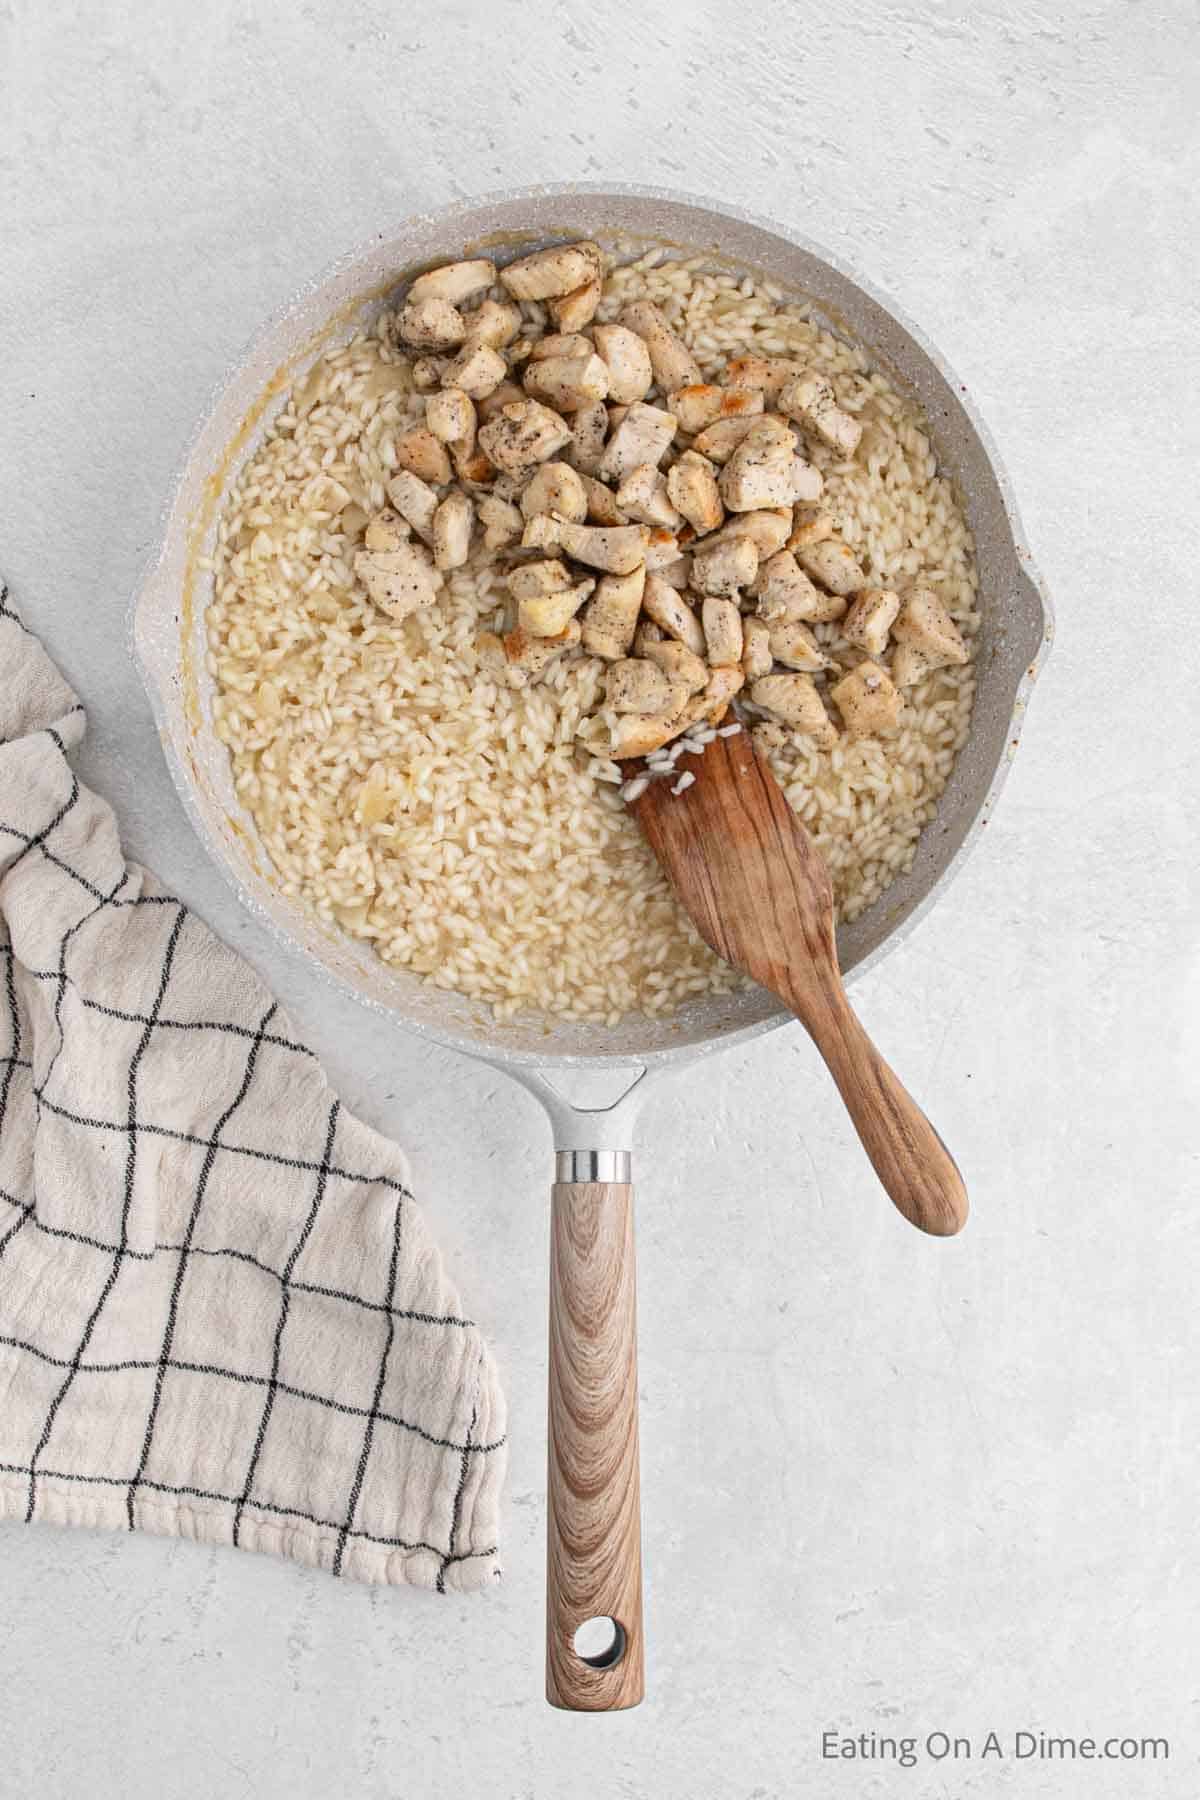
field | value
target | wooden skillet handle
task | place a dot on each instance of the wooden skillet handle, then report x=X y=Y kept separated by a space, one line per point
x=594 y=1528
x=909 y=1157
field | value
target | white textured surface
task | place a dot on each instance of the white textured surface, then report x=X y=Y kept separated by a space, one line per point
x=889 y=1484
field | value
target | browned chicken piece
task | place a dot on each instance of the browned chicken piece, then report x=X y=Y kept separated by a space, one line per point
x=494 y=324
x=811 y=399
x=811 y=525
x=870 y=619
x=567 y=382
x=386 y=531
x=673 y=363
x=616 y=549
x=868 y=701
x=718 y=442
x=477 y=369
x=643 y=495
x=808 y=483
x=643 y=435
x=723 y=566
x=450 y=416
x=649 y=633
x=834 y=565
x=424 y=454
x=693 y=491
x=756 y=649
x=610 y=622
x=555 y=487
x=507 y=394
x=602 y=508
x=667 y=609
x=722 y=631
x=638 y=734
x=767 y=529
x=546 y=615
x=794 y=645
x=785 y=592
x=523 y=434
x=796 y=700
x=399 y=581
x=759 y=472
x=561 y=343
x=518 y=658
x=501 y=521
x=452 y=524
x=703 y=404
x=548 y=274
x=415 y=501
x=662 y=552
x=589 y=429
x=454 y=282
x=747 y=372
x=627 y=359
x=634 y=686
x=431 y=325
x=427 y=373
x=572 y=311
x=532 y=581
x=925 y=624
x=676 y=661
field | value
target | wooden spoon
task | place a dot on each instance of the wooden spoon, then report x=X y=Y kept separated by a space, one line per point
x=747 y=874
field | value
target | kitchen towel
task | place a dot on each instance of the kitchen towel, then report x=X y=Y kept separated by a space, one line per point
x=221 y=1313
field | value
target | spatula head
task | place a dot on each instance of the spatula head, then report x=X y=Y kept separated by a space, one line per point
x=742 y=865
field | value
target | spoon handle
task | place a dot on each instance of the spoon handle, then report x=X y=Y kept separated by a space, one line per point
x=909 y=1157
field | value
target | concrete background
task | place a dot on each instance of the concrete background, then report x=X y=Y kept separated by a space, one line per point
x=889 y=1484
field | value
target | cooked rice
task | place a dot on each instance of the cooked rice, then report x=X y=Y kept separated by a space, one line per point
x=463 y=828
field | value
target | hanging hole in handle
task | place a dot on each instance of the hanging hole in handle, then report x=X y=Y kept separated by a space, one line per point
x=600 y=1642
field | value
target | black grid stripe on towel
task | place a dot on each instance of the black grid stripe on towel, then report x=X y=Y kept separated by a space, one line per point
x=221 y=1314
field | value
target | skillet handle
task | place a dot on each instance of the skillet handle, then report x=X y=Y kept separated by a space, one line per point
x=594 y=1527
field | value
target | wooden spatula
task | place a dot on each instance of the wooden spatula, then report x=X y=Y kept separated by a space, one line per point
x=758 y=892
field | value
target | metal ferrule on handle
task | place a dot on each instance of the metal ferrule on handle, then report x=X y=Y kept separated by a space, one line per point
x=592 y=1165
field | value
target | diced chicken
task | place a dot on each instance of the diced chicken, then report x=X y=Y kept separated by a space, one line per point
x=643 y=495
x=811 y=399
x=794 y=645
x=808 y=483
x=471 y=466
x=909 y=665
x=431 y=325
x=602 y=508
x=796 y=701
x=693 y=491
x=786 y=593
x=703 y=404
x=611 y=619
x=589 y=428
x=547 y=274
x=542 y=532
x=676 y=661
x=868 y=701
x=532 y=581
x=454 y=282
x=634 y=686
x=507 y=394
x=519 y=658
x=638 y=734
x=722 y=631
x=724 y=565
x=546 y=615
x=386 y=531
x=747 y=372
x=495 y=323
x=414 y=500
x=399 y=581
x=834 y=565
x=647 y=634
x=781 y=372
x=572 y=311
x=501 y=521
x=567 y=382
x=617 y=549
x=925 y=624
x=723 y=684
x=477 y=369
x=672 y=362
x=424 y=454
x=767 y=529
x=523 y=434
x=627 y=360
x=644 y=435
x=669 y=610
x=760 y=473
x=718 y=442
x=870 y=619
x=555 y=488
x=662 y=552
x=452 y=530
x=561 y=343
x=756 y=649
x=811 y=525
x=427 y=373
x=450 y=416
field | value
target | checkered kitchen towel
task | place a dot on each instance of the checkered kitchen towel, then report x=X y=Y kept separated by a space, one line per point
x=221 y=1314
